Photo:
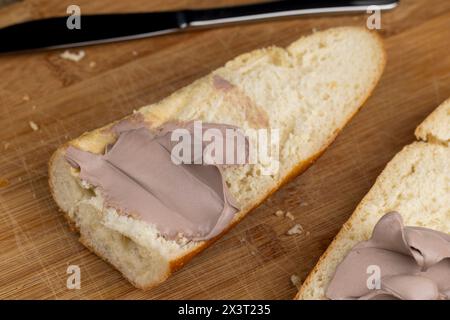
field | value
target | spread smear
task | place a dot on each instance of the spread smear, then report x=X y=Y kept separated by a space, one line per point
x=137 y=177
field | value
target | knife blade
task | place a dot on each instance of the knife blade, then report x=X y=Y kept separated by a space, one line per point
x=53 y=32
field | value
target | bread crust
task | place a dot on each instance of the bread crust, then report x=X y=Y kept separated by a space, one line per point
x=178 y=263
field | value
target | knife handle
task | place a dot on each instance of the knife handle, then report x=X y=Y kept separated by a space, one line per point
x=275 y=9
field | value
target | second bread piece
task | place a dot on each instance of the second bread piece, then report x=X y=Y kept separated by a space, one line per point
x=415 y=183
x=308 y=91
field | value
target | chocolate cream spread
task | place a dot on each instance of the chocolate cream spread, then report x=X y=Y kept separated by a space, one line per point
x=414 y=264
x=137 y=176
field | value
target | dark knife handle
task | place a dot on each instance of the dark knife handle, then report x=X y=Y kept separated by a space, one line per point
x=275 y=9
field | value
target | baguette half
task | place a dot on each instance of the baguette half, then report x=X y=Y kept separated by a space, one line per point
x=308 y=91
x=415 y=183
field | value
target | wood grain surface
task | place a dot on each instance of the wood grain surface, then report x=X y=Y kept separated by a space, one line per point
x=256 y=259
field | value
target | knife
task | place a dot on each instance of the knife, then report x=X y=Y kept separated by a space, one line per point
x=53 y=33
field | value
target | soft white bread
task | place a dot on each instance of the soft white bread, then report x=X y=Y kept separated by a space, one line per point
x=415 y=183
x=308 y=91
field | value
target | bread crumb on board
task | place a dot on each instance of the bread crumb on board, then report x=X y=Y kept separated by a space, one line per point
x=290 y=215
x=296 y=281
x=26 y=97
x=296 y=229
x=279 y=213
x=73 y=56
x=304 y=204
x=33 y=125
x=6 y=145
x=92 y=64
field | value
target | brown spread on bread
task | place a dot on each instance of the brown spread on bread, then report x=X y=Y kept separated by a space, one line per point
x=137 y=175
x=413 y=262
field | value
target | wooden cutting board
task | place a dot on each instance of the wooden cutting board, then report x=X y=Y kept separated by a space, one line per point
x=256 y=259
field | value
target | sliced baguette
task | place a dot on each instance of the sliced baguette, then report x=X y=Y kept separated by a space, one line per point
x=415 y=183
x=309 y=91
